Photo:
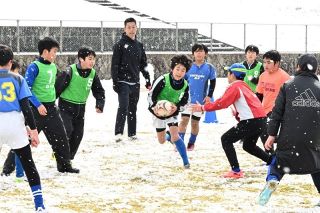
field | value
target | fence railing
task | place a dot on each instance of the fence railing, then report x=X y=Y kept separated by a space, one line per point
x=23 y=35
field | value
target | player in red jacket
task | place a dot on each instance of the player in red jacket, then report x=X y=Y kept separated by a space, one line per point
x=252 y=119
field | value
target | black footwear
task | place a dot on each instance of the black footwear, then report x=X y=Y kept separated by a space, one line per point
x=5 y=174
x=190 y=147
x=67 y=168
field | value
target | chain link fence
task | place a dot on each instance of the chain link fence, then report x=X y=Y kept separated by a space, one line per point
x=23 y=35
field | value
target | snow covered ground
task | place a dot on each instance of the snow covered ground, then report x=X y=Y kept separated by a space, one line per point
x=145 y=176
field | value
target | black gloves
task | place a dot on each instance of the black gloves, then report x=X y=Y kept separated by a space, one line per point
x=115 y=87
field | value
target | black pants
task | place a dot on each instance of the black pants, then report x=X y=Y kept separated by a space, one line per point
x=248 y=131
x=28 y=165
x=55 y=132
x=128 y=97
x=73 y=119
x=9 y=164
x=264 y=134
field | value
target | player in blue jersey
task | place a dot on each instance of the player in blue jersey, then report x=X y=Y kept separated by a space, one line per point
x=198 y=77
x=12 y=159
x=14 y=94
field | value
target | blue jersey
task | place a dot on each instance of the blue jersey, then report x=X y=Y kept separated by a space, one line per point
x=31 y=74
x=13 y=88
x=198 y=77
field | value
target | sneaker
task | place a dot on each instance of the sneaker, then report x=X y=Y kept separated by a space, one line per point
x=118 y=138
x=190 y=147
x=67 y=168
x=5 y=174
x=21 y=179
x=318 y=204
x=40 y=209
x=265 y=194
x=187 y=166
x=232 y=174
x=133 y=138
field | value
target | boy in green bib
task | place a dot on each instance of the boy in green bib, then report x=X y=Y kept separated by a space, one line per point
x=73 y=87
x=41 y=77
x=174 y=88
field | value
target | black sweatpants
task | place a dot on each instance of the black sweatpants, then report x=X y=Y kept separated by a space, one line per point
x=248 y=131
x=9 y=164
x=73 y=119
x=128 y=97
x=55 y=132
x=28 y=165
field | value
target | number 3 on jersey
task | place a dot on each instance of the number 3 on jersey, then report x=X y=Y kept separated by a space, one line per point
x=10 y=94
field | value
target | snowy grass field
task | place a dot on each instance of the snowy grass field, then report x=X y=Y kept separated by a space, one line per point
x=145 y=176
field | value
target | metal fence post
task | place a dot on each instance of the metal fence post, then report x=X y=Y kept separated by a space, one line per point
x=101 y=47
x=244 y=35
x=139 y=30
x=18 y=36
x=177 y=37
x=306 y=44
x=276 y=36
x=61 y=33
x=211 y=47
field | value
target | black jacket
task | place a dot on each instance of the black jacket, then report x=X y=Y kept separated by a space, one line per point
x=128 y=60
x=297 y=114
x=64 y=78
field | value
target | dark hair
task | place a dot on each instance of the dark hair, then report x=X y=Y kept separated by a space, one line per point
x=15 y=65
x=196 y=47
x=6 y=55
x=252 y=48
x=129 y=20
x=181 y=59
x=47 y=43
x=85 y=51
x=273 y=55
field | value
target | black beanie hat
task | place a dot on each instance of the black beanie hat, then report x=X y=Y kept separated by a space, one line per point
x=308 y=62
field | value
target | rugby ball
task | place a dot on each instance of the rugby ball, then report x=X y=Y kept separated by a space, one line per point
x=163 y=108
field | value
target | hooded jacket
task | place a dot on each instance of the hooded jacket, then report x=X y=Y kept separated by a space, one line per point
x=128 y=60
x=297 y=115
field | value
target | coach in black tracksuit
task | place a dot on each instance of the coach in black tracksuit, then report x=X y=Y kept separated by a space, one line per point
x=128 y=60
x=297 y=115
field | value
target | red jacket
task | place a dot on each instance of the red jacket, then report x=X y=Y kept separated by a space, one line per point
x=244 y=100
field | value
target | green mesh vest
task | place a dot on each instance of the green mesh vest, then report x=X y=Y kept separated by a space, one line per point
x=253 y=73
x=79 y=87
x=43 y=86
x=170 y=94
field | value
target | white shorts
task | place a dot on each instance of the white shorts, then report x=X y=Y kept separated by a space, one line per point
x=189 y=112
x=13 y=130
x=162 y=124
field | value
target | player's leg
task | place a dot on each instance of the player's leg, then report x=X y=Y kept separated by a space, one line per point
x=195 y=120
x=32 y=174
x=132 y=111
x=123 y=99
x=176 y=139
x=183 y=124
x=9 y=164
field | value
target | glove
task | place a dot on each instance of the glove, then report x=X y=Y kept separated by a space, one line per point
x=115 y=87
x=148 y=84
